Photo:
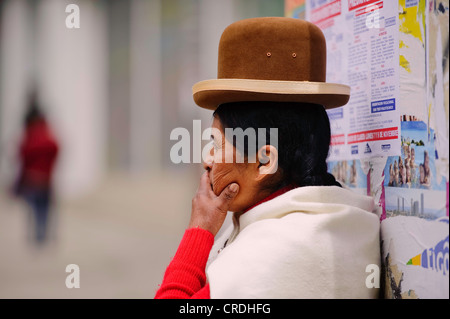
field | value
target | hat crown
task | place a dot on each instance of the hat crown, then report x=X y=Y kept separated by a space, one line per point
x=271 y=59
x=272 y=48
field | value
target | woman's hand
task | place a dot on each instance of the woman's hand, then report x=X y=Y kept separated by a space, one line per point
x=208 y=210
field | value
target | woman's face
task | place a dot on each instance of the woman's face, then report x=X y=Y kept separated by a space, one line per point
x=224 y=170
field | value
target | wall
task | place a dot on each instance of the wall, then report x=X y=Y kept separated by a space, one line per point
x=397 y=153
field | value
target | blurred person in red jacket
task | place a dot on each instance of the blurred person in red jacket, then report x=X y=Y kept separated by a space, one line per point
x=38 y=153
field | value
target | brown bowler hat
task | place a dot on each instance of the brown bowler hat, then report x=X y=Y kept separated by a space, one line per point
x=271 y=59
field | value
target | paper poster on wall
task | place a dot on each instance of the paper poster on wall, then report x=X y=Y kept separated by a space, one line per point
x=415 y=238
x=362 y=51
x=437 y=32
x=416 y=266
x=408 y=179
x=412 y=17
x=419 y=175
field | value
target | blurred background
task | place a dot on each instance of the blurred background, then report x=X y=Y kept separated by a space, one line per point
x=108 y=94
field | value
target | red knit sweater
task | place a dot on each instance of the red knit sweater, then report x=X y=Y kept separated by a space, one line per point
x=38 y=153
x=185 y=276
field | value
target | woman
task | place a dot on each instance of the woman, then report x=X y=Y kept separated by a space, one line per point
x=421 y=174
x=396 y=174
x=38 y=155
x=400 y=171
x=296 y=232
x=426 y=169
x=391 y=175
x=407 y=172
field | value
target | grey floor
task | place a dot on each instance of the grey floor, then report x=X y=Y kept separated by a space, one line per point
x=121 y=236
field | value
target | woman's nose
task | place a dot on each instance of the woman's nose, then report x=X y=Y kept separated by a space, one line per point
x=208 y=160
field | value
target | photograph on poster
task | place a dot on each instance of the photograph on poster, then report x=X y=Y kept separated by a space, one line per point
x=415 y=167
x=423 y=203
x=349 y=173
x=412 y=185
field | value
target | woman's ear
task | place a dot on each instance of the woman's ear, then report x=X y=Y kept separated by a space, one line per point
x=267 y=160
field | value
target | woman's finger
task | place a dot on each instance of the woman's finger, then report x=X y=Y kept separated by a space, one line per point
x=205 y=183
x=226 y=197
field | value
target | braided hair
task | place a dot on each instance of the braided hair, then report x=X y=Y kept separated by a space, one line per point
x=303 y=137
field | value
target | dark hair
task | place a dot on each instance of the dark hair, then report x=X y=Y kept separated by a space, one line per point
x=32 y=115
x=303 y=137
x=34 y=112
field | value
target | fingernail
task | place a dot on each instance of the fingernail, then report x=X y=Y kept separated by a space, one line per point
x=234 y=188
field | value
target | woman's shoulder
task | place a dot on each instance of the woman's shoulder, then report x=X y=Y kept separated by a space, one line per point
x=272 y=258
x=304 y=203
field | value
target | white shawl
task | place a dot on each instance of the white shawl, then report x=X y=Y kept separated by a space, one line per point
x=311 y=242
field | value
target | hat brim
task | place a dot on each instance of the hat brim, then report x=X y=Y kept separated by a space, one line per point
x=210 y=94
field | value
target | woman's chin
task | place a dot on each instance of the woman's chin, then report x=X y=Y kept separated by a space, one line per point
x=218 y=189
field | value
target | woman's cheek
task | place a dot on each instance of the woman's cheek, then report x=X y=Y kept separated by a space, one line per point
x=222 y=176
